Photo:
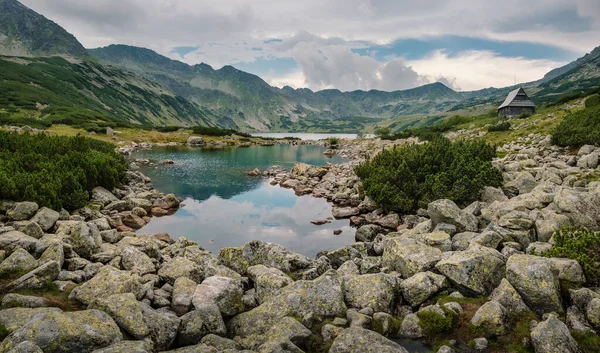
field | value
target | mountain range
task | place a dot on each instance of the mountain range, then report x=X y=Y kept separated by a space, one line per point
x=132 y=85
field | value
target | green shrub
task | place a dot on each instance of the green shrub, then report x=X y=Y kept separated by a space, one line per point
x=434 y=324
x=383 y=133
x=593 y=101
x=333 y=141
x=579 y=128
x=503 y=126
x=406 y=178
x=56 y=171
x=3 y=332
x=215 y=131
x=588 y=342
x=582 y=245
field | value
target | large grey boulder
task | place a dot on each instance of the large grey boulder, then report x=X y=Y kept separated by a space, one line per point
x=409 y=258
x=379 y=292
x=446 y=211
x=536 y=280
x=224 y=292
x=109 y=281
x=477 y=270
x=14 y=318
x=38 y=278
x=582 y=207
x=195 y=141
x=103 y=196
x=421 y=286
x=360 y=340
x=183 y=293
x=181 y=267
x=522 y=183
x=138 y=319
x=260 y=253
x=12 y=300
x=267 y=281
x=509 y=298
x=80 y=331
x=13 y=239
x=553 y=336
x=84 y=237
x=199 y=323
x=30 y=228
x=136 y=261
x=491 y=318
x=18 y=263
x=322 y=296
x=127 y=347
x=368 y=232
x=21 y=211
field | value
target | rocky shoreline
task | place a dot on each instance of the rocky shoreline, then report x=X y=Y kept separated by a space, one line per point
x=140 y=293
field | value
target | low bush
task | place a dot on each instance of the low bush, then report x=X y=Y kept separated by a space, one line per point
x=579 y=128
x=503 y=126
x=593 y=101
x=406 y=178
x=56 y=171
x=435 y=324
x=3 y=332
x=582 y=245
x=215 y=131
x=333 y=141
x=588 y=342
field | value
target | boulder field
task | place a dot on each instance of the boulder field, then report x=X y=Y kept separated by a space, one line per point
x=125 y=292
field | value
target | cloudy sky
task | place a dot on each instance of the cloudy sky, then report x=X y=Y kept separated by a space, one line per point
x=347 y=44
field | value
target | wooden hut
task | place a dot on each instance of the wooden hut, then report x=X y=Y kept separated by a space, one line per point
x=516 y=103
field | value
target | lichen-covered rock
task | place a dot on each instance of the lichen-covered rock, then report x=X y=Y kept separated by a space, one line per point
x=13 y=239
x=582 y=207
x=491 y=318
x=30 y=228
x=593 y=313
x=199 y=323
x=368 y=232
x=80 y=331
x=183 y=292
x=38 y=278
x=267 y=281
x=509 y=298
x=446 y=211
x=13 y=318
x=536 y=281
x=126 y=311
x=288 y=332
x=376 y=291
x=478 y=269
x=421 y=286
x=322 y=296
x=350 y=252
x=84 y=237
x=260 y=253
x=411 y=327
x=138 y=319
x=136 y=261
x=224 y=292
x=577 y=322
x=359 y=340
x=180 y=267
x=109 y=281
x=127 y=347
x=19 y=263
x=220 y=343
x=26 y=347
x=21 y=211
x=522 y=183
x=103 y=196
x=553 y=336
x=409 y=258
x=13 y=300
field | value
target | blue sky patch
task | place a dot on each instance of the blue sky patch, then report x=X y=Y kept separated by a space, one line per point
x=183 y=51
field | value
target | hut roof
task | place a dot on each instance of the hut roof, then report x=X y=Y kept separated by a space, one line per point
x=512 y=101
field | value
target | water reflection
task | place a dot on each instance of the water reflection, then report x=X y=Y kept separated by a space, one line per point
x=224 y=207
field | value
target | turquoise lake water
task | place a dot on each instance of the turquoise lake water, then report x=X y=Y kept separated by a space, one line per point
x=224 y=207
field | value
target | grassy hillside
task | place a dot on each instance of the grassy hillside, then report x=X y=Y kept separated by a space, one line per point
x=26 y=33
x=53 y=90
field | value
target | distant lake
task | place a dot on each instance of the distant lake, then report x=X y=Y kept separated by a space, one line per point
x=303 y=136
x=224 y=207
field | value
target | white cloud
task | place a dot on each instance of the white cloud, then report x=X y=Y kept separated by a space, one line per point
x=471 y=70
x=227 y=31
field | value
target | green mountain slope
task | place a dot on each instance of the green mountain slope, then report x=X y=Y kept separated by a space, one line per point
x=24 y=32
x=53 y=90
